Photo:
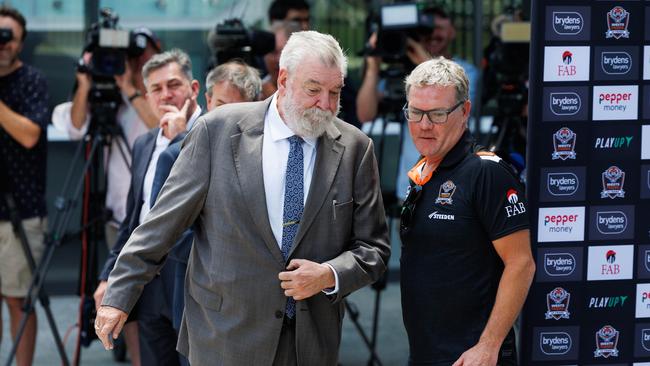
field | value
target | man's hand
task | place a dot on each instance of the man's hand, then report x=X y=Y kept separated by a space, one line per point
x=125 y=81
x=304 y=279
x=415 y=52
x=174 y=121
x=84 y=80
x=108 y=323
x=373 y=63
x=84 y=83
x=482 y=354
x=99 y=294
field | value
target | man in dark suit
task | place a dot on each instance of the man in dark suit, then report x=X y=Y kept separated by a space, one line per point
x=172 y=93
x=232 y=82
x=275 y=251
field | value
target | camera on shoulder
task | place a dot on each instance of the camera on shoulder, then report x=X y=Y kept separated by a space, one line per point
x=232 y=40
x=397 y=23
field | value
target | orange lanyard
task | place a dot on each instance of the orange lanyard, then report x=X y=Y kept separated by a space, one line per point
x=416 y=173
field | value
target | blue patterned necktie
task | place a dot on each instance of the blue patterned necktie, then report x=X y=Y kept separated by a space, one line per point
x=293 y=205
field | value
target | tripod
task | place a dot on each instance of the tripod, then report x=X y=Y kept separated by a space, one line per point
x=28 y=304
x=509 y=140
x=100 y=134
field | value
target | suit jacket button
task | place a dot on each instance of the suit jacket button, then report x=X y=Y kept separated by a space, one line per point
x=279 y=314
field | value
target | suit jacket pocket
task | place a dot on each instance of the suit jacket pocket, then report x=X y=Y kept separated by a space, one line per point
x=342 y=211
x=205 y=297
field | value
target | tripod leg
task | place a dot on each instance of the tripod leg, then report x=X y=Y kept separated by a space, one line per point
x=45 y=302
x=354 y=316
x=375 y=328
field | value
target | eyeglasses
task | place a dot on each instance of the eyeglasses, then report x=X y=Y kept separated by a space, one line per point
x=436 y=116
x=408 y=208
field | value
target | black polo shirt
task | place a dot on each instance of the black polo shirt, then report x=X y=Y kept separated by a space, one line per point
x=25 y=92
x=450 y=270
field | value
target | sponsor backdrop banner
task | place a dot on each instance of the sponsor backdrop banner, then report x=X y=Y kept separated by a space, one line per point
x=589 y=184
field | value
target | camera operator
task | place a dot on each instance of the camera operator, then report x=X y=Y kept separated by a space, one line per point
x=418 y=49
x=506 y=84
x=282 y=31
x=172 y=92
x=135 y=117
x=290 y=11
x=232 y=82
x=23 y=126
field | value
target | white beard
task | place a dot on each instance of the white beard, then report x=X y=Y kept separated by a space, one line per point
x=309 y=122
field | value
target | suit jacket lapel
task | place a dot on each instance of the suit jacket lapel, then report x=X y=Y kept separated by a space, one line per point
x=328 y=158
x=247 y=153
x=141 y=166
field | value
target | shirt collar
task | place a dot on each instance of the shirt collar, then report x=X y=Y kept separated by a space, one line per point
x=161 y=140
x=278 y=128
x=459 y=151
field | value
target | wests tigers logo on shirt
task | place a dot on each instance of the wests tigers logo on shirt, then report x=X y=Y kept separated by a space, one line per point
x=515 y=207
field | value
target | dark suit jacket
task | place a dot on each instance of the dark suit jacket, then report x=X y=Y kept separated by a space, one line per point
x=143 y=148
x=181 y=250
x=234 y=304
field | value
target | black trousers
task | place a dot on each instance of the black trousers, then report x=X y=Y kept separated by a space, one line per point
x=157 y=335
x=285 y=355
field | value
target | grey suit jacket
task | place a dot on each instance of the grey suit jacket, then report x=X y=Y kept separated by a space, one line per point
x=234 y=303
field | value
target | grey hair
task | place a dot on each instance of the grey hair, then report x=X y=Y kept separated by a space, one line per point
x=312 y=43
x=162 y=59
x=439 y=71
x=243 y=77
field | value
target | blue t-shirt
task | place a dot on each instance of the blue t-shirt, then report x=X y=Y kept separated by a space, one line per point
x=25 y=92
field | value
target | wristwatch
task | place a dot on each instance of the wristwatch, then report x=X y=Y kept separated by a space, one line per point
x=134 y=95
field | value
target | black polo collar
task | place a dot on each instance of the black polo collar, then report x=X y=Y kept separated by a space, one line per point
x=459 y=151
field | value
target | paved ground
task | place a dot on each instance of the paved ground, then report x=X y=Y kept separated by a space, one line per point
x=392 y=347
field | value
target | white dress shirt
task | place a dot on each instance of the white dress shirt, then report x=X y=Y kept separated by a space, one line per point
x=162 y=143
x=275 y=154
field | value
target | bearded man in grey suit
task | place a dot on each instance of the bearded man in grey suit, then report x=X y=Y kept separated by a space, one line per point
x=289 y=221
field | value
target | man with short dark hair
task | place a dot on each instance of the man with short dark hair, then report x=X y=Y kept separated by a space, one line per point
x=282 y=31
x=232 y=82
x=290 y=11
x=172 y=94
x=23 y=141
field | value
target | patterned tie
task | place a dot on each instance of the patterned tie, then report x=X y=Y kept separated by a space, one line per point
x=293 y=205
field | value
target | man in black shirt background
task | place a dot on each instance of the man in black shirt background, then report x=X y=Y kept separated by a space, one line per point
x=23 y=125
x=466 y=261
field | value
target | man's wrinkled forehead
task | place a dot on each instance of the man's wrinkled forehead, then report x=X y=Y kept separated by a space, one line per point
x=165 y=74
x=332 y=84
x=314 y=68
